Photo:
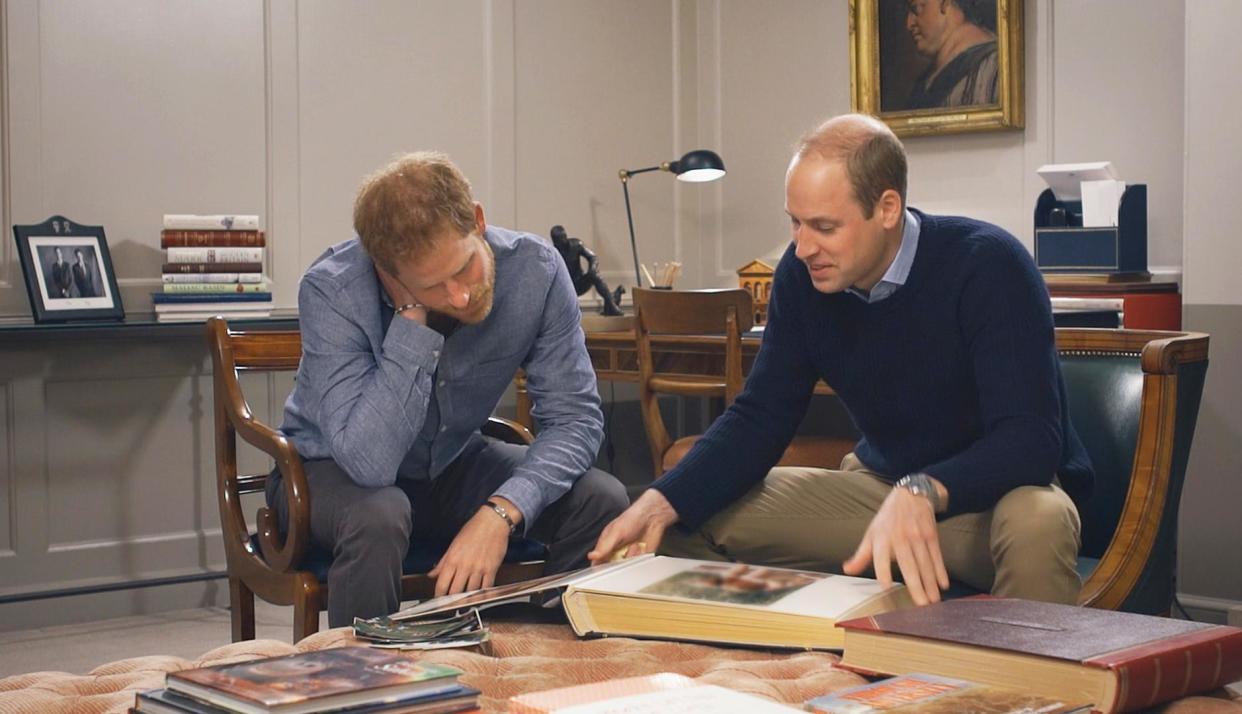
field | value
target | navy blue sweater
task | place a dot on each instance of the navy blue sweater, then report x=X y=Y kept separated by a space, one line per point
x=955 y=374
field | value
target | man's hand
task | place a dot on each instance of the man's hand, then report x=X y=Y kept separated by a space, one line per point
x=904 y=530
x=636 y=531
x=400 y=295
x=476 y=553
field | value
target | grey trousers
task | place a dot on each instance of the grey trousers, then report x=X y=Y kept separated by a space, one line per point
x=814 y=519
x=368 y=530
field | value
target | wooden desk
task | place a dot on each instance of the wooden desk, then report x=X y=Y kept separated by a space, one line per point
x=1149 y=305
x=614 y=355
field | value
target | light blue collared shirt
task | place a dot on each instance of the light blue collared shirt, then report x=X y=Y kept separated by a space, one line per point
x=392 y=399
x=899 y=269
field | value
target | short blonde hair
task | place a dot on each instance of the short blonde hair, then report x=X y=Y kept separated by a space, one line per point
x=873 y=156
x=402 y=208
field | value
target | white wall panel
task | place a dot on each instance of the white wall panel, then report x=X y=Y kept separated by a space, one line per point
x=381 y=80
x=146 y=108
x=1115 y=101
x=594 y=94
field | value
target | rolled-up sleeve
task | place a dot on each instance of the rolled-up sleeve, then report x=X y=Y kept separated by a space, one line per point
x=370 y=405
x=562 y=386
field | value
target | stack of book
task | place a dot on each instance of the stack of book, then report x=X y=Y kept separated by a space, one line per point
x=345 y=680
x=1116 y=661
x=213 y=266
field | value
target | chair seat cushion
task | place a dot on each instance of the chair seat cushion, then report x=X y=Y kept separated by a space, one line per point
x=421 y=557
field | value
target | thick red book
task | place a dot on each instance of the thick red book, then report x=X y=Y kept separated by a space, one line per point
x=210 y=239
x=1119 y=661
x=212 y=268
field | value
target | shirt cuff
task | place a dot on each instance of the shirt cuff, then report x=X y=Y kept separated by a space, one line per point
x=526 y=497
x=413 y=343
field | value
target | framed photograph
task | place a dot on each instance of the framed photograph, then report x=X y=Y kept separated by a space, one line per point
x=938 y=66
x=68 y=271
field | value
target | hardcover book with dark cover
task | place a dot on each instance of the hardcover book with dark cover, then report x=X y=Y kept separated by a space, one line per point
x=1120 y=661
x=313 y=681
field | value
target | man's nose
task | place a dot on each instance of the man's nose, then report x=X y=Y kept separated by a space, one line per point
x=458 y=295
x=804 y=247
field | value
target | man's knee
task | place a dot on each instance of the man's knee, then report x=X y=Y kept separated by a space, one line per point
x=381 y=518
x=1035 y=516
x=599 y=493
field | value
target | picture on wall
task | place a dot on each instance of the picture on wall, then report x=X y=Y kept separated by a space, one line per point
x=68 y=271
x=938 y=66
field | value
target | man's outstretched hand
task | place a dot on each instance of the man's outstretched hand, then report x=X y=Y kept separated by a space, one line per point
x=476 y=553
x=903 y=530
x=639 y=529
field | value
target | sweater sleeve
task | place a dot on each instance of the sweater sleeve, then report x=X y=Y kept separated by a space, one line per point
x=1006 y=322
x=747 y=440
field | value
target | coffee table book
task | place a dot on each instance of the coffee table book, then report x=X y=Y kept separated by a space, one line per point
x=696 y=600
x=929 y=694
x=459 y=700
x=652 y=694
x=1119 y=661
x=314 y=681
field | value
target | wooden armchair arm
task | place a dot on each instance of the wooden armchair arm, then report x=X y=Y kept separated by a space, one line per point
x=507 y=431
x=1147 y=497
x=233 y=417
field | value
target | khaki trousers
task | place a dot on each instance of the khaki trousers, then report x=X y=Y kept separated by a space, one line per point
x=814 y=519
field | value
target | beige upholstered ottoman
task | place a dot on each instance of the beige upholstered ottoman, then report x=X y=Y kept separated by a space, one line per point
x=522 y=658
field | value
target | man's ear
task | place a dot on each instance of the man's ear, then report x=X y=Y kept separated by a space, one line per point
x=479 y=221
x=889 y=207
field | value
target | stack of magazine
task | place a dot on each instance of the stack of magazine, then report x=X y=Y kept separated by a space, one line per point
x=348 y=680
x=459 y=630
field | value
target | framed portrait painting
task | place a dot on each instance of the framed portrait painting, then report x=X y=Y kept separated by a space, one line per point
x=938 y=66
x=68 y=271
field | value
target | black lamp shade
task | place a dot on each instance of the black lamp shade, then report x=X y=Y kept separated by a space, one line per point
x=698 y=166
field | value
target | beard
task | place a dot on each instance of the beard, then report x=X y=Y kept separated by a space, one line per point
x=482 y=295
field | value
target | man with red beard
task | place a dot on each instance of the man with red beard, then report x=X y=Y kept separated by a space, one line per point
x=411 y=333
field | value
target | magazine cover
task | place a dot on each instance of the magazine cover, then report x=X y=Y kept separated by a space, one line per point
x=312 y=676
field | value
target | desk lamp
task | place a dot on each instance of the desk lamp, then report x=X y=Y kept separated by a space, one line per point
x=697 y=166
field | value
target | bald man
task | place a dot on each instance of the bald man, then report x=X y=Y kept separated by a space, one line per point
x=936 y=333
x=954 y=35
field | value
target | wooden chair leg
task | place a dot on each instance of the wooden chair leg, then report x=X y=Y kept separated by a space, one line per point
x=241 y=610
x=306 y=606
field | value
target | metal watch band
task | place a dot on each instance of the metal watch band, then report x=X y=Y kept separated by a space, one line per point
x=408 y=306
x=920 y=484
x=503 y=513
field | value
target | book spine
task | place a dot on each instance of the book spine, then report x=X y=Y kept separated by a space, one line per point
x=214 y=255
x=193 y=239
x=193 y=267
x=213 y=277
x=207 y=288
x=1172 y=668
x=221 y=221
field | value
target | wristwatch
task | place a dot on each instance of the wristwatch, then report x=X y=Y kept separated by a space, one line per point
x=920 y=484
x=503 y=513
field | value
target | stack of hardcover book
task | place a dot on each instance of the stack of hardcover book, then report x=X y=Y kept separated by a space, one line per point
x=348 y=680
x=213 y=266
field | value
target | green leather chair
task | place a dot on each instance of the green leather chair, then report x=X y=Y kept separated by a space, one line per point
x=1134 y=399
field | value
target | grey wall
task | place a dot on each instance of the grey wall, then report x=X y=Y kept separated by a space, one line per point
x=1213 y=303
x=117 y=113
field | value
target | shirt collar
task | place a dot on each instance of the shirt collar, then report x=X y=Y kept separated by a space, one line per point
x=899 y=270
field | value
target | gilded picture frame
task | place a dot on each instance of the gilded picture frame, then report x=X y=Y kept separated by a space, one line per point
x=938 y=66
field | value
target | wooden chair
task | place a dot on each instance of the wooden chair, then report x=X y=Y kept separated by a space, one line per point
x=288 y=570
x=1133 y=399
x=697 y=313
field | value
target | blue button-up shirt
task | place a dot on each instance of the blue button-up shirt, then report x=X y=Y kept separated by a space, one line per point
x=390 y=398
x=899 y=269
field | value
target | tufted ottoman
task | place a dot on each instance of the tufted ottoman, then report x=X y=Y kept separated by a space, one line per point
x=522 y=658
